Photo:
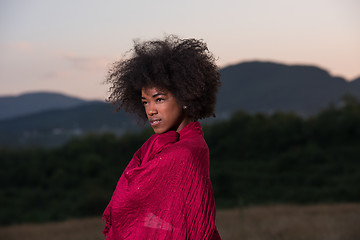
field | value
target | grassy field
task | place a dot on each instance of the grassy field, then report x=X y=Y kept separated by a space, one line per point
x=325 y=222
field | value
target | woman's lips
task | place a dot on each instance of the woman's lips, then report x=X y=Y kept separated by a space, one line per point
x=154 y=122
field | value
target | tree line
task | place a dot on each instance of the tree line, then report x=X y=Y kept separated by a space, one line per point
x=254 y=159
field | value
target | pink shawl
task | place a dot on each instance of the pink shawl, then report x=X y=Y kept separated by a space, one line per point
x=165 y=192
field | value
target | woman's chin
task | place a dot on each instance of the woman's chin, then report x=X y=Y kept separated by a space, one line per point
x=158 y=130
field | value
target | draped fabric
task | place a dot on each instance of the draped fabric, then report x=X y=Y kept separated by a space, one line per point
x=165 y=192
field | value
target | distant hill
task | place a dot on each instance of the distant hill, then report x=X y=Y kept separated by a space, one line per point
x=355 y=83
x=92 y=116
x=14 y=106
x=54 y=127
x=50 y=119
x=268 y=87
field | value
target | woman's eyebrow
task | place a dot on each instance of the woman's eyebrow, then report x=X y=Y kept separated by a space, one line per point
x=158 y=94
x=155 y=95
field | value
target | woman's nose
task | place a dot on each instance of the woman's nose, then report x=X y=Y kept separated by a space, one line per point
x=151 y=109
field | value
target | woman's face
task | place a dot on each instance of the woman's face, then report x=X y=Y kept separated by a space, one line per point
x=163 y=111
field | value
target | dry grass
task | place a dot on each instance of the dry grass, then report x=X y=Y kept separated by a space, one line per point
x=76 y=229
x=325 y=222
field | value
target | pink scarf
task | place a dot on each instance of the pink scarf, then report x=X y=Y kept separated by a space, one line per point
x=165 y=192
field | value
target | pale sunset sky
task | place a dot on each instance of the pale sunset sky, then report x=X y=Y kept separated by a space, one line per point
x=67 y=46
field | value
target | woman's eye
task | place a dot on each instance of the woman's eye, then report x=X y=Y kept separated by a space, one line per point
x=144 y=103
x=159 y=99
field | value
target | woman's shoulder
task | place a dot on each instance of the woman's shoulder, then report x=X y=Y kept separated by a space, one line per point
x=187 y=147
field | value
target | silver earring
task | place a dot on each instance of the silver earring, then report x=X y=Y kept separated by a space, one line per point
x=184 y=107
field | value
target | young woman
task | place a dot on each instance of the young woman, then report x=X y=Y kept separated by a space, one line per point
x=165 y=192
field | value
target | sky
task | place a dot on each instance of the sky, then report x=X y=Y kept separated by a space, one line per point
x=67 y=46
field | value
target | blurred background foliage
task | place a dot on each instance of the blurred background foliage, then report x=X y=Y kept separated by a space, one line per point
x=254 y=158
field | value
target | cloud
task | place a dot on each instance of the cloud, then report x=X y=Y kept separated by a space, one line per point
x=23 y=47
x=86 y=63
x=49 y=75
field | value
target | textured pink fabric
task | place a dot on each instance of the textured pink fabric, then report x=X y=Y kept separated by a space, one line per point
x=165 y=192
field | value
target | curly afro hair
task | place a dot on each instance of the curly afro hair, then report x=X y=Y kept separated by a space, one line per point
x=184 y=67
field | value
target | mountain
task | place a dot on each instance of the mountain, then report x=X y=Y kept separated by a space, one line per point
x=51 y=128
x=49 y=119
x=93 y=116
x=14 y=106
x=355 y=83
x=268 y=87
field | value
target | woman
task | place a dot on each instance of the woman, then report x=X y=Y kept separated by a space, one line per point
x=165 y=192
